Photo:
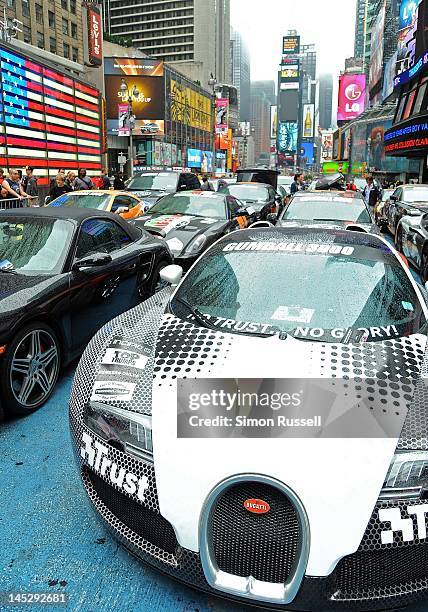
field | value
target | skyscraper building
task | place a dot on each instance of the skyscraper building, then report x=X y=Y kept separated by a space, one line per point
x=360 y=25
x=260 y=121
x=193 y=35
x=325 y=100
x=309 y=60
x=54 y=27
x=267 y=87
x=240 y=73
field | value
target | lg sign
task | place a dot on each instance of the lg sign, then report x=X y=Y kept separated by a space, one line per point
x=351 y=96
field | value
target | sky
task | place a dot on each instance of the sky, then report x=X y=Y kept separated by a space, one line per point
x=330 y=24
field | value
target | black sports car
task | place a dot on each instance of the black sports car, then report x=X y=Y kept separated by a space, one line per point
x=64 y=273
x=151 y=186
x=403 y=201
x=411 y=239
x=262 y=198
x=192 y=221
x=335 y=209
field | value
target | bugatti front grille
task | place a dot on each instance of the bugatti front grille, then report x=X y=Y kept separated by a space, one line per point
x=264 y=546
x=381 y=573
x=141 y=520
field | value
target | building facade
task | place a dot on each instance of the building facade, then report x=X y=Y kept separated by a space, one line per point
x=193 y=35
x=240 y=73
x=266 y=87
x=260 y=121
x=52 y=25
x=360 y=27
x=325 y=101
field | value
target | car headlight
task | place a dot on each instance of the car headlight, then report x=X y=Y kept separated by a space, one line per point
x=175 y=246
x=196 y=245
x=407 y=475
x=127 y=431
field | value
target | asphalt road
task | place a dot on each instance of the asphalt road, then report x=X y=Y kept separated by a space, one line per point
x=52 y=541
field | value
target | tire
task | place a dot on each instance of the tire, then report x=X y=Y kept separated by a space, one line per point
x=424 y=266
x=30 y=369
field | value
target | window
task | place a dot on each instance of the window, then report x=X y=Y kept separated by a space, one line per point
x=40 y=40
x=65 y=26
x=25 y=8
x=419 y=105
x=11 y=3
x=66 y=51
x=75 y=54
x=51 y=19
x=73 y=6
x=409 y=104
x=101 y=236
x=27 y=34
x=122 y=200
x=39 y=13
x=73 y=30
x=64 y=4
x=52 y=45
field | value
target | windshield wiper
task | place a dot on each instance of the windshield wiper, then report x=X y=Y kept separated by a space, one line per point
x=203 y=320
x=335 y=220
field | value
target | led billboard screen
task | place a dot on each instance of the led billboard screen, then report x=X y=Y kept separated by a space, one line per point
x=352 y=89
x=289 y=105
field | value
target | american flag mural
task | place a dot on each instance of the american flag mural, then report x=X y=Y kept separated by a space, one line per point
x=47 y=120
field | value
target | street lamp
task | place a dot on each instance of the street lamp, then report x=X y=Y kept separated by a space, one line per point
x=212 y=82
x=130 y=119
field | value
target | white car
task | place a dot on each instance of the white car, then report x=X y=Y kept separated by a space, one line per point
x=175 y=419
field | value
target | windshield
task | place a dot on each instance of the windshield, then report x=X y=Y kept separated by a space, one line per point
x=310 y=209
x=164 y=181
x=417 y=194
x=34 y=245
x=99 y=201
x=249 y=193
x=205 y=204
x=225 y=286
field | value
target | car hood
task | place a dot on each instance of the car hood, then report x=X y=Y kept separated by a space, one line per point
x=337 y=480
x=179 y=230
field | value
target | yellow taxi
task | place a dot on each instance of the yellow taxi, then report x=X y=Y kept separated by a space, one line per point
x=124 y=203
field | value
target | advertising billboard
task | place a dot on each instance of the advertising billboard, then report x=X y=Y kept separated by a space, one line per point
x=95 y=35
x=123 y=117
x=308 y=120
x=376 y=63
x=222 y=137
x=48 y=120
x=145 y=78
x=388 y=77
x=194 y=158
x=290 y=73
x=221 y=112
x=207 y=161
x=190 y=107
x=307 y=153
x=273 y=121
x=287 y=137
x=412 y=46
x=326 y=145
x=352 y=90
x=289 y=105
x=291 y=45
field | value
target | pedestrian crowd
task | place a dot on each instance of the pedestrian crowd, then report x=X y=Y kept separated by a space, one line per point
x=19 y=185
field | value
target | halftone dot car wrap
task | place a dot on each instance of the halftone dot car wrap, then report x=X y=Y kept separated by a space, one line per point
x=414 y=435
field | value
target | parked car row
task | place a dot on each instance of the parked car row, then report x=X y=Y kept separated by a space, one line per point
x=404 y=214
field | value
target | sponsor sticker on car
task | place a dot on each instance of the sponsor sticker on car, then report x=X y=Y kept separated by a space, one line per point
x=108 y=390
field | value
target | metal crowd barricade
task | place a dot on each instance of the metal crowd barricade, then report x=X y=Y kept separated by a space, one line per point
x=8 y=203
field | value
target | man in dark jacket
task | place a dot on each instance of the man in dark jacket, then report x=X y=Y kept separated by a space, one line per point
x=119 y=183
x=371 y=193
x=297 y=184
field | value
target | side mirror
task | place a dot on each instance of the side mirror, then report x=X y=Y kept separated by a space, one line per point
x=272 y=218
x=393 y=198
x=171 y=274
x=96 y=260
x=278 y=199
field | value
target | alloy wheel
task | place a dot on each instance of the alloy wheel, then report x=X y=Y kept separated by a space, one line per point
x=34 y=368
